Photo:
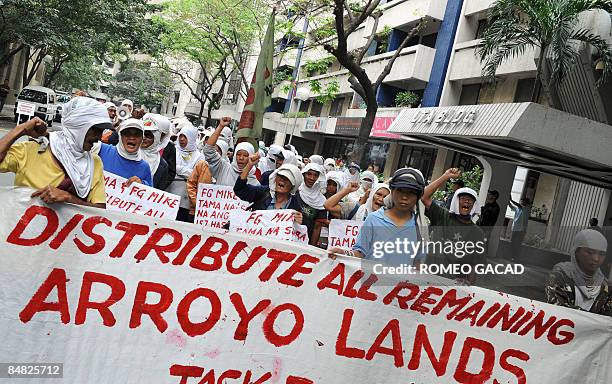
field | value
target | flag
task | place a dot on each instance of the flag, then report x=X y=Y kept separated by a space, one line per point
x=259 y=96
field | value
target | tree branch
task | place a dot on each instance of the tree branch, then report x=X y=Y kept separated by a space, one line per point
x=362 y=51
x=387 y=69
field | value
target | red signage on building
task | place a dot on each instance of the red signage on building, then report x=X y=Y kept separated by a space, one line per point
x=349 y=126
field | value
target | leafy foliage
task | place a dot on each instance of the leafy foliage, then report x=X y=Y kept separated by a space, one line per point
x=471 y=179
x=321 y=66
x=144 y=83
x=406 y=99
x=515 y=25
x=325 y=94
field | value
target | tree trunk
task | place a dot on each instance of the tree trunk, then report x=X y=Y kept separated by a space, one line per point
x=359 y=153
x=6 y=56
x=537 y=86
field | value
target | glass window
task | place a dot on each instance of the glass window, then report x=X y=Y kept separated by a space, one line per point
x=305 y=106
x=316 y=108
x=524 y=89
x=33 y=96
x=336 y=107
x=469 y=94
x=421 y=158
x=482 y=26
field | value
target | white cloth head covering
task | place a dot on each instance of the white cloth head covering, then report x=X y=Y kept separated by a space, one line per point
x=313 y=196
x=224 y=147
x=454 y=206
x=269 y=163
x=109 y=105
x=364 y=210
x=163 y=126
x=244 y=146
x=78 y=115
x=226 y=135
x=188 y=157
x=329 y=164
x=338 y=178
x=291 y=172
x=318 y=159
x=126 y=124
x=151 y=155
x=289 y=157
x=588 y=287
x=128 y=102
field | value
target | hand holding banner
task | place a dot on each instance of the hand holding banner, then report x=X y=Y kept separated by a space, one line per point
x=343 y=233
x=214 y=204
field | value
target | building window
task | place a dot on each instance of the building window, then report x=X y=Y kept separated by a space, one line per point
x=421 y=158
x=482 y=27
x=340 y=148
x=469 y=94
x=304 y=106
x=524 y=90
x=336 y=107
x=316 y=108
x=430 y=40
x=177 y=95
x=465 y=162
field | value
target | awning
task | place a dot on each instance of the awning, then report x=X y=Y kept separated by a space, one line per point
x=526 y=134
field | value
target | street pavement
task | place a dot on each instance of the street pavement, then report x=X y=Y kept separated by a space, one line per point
x=529 y=285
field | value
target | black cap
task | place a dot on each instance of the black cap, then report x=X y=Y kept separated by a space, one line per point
x=407 y=178
x=494 y=193
x=280 y=155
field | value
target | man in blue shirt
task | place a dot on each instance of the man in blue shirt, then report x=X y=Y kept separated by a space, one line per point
x=392 y=235
x=125 y=159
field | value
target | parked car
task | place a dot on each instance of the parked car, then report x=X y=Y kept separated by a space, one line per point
x=61 y=99
x=43 y=99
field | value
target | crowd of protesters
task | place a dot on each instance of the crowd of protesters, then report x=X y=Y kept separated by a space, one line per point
x=147 y=148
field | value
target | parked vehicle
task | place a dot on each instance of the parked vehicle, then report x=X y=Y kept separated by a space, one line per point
x=61 y=99
x=43 y=99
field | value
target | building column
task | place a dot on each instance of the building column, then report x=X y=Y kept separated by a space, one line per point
x=497 y=176
x=279 y=138
x=440 y=165
x=393 y=157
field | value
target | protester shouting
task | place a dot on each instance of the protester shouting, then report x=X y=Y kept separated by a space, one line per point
x=125 y=159
x=224 y=172
x=396 y=222
x=280 y=194
x=455 y=226
x=311 y=195
x=580 y=283
x=187 y=157
x=150 y=150
x=64 y=170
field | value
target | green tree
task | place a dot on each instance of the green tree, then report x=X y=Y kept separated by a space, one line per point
x=142 y=82
x=216 y=37
x=81 y=72
x=516 y=25
x=63 y=29
x=332 y=33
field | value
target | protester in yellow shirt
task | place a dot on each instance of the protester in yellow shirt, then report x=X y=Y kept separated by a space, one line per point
x=61 y=167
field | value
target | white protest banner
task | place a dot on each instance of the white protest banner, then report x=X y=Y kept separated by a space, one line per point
x=121 y=298
x=274 y=223
x=214 y=204
x=139 y=198
x=343 y=233
x=25 y=109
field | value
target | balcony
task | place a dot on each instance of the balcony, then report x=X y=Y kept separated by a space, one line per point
x=411 y=69
x=466 y=64
x=473 y=7
x=397 y=13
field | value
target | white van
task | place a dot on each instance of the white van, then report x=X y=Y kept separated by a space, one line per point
x=43 y=100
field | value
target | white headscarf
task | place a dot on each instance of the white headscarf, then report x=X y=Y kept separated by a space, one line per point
x=338 y=178
x=358 y=194
x=244 y=146
x=224 y=147
x=226 y=135
x=291 y=172
x=454 y=206
x=126 y=124
x=151 y=155
x=588 y=287
x=313 y=196
x=78 y=115
x=317 y=159
x=367 y=208
x=127 y=102
x=289 y=157
x=163 y=125
x=329 y=164
x=188 y=157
